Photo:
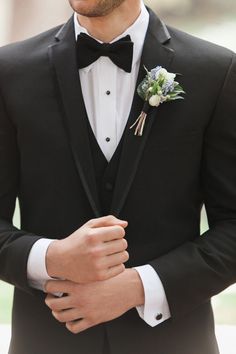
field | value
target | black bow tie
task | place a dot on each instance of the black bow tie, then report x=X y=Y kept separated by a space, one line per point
x=120 y=52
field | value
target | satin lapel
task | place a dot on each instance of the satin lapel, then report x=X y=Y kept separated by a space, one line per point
x=62 y=55
x=155 y=52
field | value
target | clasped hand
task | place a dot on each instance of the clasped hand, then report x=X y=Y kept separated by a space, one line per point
x=98 y=287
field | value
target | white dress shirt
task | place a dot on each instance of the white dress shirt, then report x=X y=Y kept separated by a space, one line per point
x=108 y=93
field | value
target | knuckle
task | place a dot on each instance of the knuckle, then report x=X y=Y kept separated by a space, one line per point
x=90 y=222
x=95 y=252
x=60 y=319
x=124 y=243
x=72 y=329
x=99 y=251
x=122 y=267
x=89 y=232
x=75 y=331
x=58 y=316
x=91 y=237
x=94 y=258
x=47 y=302
x=110 y=218
x=50 y=303
x=126 y=256
x=52 y=306
x=120 y=230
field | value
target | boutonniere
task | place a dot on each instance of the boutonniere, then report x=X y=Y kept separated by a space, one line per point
x=158 y=86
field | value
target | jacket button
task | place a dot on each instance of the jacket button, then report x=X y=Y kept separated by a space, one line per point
x=159 y=316
x=109 y=186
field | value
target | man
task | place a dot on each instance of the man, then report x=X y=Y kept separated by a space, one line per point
x=67 y=151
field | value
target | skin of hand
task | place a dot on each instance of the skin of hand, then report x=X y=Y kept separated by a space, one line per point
x=94 y=252
x=87 y=305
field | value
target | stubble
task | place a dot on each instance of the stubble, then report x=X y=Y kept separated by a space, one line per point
x=99 y=9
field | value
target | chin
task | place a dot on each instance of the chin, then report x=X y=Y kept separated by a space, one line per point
x=82 y=6
x=94 y=8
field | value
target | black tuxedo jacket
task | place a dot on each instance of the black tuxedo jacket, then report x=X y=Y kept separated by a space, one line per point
x=186 y=157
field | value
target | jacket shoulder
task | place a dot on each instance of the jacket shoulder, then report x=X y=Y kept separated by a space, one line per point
x=14 y=53
x=198 y=47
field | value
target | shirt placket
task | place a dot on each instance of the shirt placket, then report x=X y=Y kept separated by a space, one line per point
x=107 y=127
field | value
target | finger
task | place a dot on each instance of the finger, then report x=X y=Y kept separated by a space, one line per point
x=67 y=315
x=78 y=326
x=109 y=233
x=108 y=220
x=116 y=259
x=58 y=304
x=115 y=246
x=114 y=271
x=59 y=286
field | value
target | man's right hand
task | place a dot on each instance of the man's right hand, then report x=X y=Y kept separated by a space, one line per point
x=96 y=251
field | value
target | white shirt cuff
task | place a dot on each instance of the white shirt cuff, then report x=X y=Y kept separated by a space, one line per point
x=36 y=267
x=156 y=309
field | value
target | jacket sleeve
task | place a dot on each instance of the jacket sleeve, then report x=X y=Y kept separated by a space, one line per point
x=15 y=244
x=198 y=270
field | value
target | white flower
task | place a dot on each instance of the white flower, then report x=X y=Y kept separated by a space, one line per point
x=164 y=73
x=171 y=76
x=155 y=100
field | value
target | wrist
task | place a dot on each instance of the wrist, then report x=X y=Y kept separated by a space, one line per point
x=53 y=259
x=135 y=285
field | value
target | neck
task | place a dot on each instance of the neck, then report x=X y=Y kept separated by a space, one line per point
x=107 y=28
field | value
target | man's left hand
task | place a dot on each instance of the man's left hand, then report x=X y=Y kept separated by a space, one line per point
x=87 y=305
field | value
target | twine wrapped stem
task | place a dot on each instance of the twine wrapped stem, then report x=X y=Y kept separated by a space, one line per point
x=140 y=122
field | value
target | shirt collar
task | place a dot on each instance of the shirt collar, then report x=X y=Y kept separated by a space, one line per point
x=137 y=32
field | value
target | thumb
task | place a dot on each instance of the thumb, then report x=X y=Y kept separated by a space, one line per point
x=109 y=220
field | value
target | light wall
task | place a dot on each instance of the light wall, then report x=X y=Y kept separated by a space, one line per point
x=20 y=19
x=214 y=20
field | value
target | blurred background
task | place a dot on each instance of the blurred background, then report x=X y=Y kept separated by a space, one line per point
x=213 y=20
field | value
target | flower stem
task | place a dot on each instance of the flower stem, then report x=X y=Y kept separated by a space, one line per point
x=140 y=122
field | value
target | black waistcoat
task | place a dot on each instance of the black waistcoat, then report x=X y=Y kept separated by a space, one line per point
x=105 y=172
